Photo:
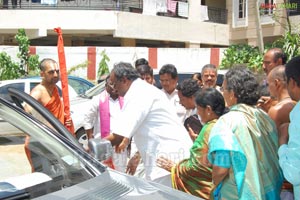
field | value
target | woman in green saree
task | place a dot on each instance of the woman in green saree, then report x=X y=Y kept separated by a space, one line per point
x=243 y=143
x=193 y=175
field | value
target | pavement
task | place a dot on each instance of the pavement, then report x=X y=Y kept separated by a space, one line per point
x=13 y=159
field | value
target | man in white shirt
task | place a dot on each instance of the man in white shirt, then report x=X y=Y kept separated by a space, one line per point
x=101 y=117
x=168 y=78
x=147 y=115
x=187 y=90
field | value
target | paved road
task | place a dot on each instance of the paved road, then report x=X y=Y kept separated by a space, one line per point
x=12 y=157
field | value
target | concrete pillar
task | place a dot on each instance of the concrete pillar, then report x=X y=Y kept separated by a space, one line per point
x=194 y=10
x=126 y=42
x=1 y=40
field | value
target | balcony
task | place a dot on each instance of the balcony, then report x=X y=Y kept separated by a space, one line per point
x=123 y=5
x=215 y=15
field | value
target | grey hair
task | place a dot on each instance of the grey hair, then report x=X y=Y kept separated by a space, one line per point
x=125 y=70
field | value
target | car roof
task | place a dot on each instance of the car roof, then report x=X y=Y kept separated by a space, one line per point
x=72 y=92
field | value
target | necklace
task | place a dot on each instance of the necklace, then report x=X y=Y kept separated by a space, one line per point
x=284 y=99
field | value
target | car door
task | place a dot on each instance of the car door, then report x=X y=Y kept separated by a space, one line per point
x=21 y=99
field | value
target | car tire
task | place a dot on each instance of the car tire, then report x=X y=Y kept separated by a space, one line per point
x=81 y=136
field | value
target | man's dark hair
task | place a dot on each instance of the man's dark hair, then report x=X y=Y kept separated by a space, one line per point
x=125 y=70
x=144 y=69
x=278 y=53
x=140 y=61
x=169 y=69
x=188 y=87
x=292 y=70
x=197 y=75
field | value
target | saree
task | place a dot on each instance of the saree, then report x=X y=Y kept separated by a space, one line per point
x=245 y=141
x=191 y=175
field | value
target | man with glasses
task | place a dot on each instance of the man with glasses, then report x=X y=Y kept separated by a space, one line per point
x=272 y=58
x=147 y=115
x=100 y=118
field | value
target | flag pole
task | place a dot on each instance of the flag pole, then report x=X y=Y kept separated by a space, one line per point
x=64 y=80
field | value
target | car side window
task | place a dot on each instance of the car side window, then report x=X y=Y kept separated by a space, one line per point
x=4 y=91
x=79 y=86
x=33 y=84
x=31 y=158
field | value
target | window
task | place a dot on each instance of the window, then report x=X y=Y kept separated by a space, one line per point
x=294 y=7
x=240 y=13
x=242 y=9
x=267 y=7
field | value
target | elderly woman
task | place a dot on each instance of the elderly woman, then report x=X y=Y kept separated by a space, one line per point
x=193 y=175
x=243 y=144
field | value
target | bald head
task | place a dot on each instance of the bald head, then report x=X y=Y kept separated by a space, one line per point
x=278 y=73
x=277 y=81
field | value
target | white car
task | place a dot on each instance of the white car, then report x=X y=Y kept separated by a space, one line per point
x=77 y=103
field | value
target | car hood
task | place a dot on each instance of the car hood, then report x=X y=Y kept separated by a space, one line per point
x=115 y=185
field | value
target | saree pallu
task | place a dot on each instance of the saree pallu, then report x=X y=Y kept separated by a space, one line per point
x=247 y=138
x=191 y=175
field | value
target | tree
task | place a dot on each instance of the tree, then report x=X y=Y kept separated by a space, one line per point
x=28 y=65
x=242 y=54
x=103 y=66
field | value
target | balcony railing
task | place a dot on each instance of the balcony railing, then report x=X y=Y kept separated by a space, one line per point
x=215 y=15
x=121 y=5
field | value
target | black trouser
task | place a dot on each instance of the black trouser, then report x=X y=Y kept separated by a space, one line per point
x=13 y=2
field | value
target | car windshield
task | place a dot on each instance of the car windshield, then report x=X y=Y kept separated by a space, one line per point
x=32 y=155
x=97 y=89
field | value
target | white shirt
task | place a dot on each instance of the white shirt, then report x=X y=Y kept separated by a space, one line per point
x=174 y=99
x=156 y=129
x=92 y=119
x=92 y=115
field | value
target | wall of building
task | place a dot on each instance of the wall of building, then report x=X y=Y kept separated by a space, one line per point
x=270 y=28
x=185 y=59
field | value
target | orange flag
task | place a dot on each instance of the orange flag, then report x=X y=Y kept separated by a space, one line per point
x=64 y=80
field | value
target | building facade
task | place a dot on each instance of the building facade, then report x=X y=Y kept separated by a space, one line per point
x=146 y=23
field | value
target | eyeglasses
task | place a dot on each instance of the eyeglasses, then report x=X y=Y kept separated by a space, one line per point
x=111 y=85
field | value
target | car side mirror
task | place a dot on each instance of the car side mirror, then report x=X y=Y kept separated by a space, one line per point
x=101 y=149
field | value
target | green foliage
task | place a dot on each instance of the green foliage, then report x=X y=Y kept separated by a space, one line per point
x=103 y=66
x=28 y=62
x=10 y=69
x=79 y=66
x=242 y=54
x=290 y=44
